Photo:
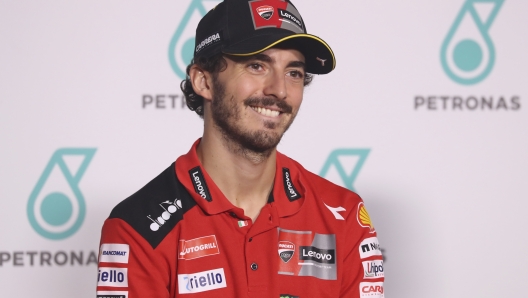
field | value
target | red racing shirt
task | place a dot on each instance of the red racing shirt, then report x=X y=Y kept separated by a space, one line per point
x=179 y=236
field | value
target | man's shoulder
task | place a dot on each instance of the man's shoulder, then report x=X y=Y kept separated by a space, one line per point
x=156 y=208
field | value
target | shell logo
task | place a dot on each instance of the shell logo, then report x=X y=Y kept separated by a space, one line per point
x=364 y=218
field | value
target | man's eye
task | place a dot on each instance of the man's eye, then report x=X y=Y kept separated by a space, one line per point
x=296 y=74
x=255 y=66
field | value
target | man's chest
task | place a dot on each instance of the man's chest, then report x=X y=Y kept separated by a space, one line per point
x=228 y=255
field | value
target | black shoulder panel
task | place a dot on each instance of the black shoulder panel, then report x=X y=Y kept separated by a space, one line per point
x=155 y=209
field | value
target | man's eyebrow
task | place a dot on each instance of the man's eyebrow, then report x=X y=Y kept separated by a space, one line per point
x=265 y=58
x=244 y=59
x=262 y=57
x=299 y=64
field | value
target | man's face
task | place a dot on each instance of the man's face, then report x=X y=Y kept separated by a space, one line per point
x=255 y=99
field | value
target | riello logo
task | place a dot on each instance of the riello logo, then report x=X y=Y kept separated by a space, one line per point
x=347 y=163
x=56 y=206
x=467 y=53
x=181 y=47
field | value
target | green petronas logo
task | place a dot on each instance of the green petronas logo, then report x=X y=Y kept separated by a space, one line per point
x=468 y=53
x=347 y=172
x=181 y=47
x=56 y=206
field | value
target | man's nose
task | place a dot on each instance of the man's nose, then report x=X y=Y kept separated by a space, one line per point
x=276 y=86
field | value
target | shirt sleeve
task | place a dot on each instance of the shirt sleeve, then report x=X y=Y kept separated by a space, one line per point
x=363 y=263
x=129 y=267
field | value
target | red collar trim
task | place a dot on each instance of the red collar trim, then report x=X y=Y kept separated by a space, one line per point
x=288 y=188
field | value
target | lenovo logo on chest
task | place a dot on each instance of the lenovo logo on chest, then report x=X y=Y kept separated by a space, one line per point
x=199 y=184
x=325 y=256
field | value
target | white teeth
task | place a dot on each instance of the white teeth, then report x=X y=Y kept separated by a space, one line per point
x=267 y=112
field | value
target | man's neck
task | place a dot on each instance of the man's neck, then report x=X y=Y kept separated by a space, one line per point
x=246 y=180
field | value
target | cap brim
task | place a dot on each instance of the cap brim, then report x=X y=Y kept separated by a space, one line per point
x=318 y=55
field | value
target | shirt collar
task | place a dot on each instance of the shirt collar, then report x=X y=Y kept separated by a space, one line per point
x=287 y=196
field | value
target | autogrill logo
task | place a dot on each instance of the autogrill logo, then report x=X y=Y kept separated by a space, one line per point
x=199 y=184
x=198 y=247
x=290 y=190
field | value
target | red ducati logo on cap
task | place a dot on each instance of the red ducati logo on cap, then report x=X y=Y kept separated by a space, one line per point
x=265 y=11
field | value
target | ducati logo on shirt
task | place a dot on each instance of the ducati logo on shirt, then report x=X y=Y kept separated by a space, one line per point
x=314 y=254
x=198 y=247
x=286 y=250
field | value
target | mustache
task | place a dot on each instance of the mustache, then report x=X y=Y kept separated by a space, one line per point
x=267 y=102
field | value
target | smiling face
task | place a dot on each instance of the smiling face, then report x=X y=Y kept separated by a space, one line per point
x=256 y=98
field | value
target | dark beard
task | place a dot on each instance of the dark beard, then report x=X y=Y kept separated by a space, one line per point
x=226 y=114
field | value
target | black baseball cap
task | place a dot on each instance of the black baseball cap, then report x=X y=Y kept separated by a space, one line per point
x=244 y=28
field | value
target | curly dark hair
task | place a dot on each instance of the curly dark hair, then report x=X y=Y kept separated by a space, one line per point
x=213 y=65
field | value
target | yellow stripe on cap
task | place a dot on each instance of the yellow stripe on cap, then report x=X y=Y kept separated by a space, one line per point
x=290 y=37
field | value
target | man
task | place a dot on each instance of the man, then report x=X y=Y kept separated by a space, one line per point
x=234 y=217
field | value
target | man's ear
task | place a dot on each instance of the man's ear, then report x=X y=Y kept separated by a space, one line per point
x=201 y=81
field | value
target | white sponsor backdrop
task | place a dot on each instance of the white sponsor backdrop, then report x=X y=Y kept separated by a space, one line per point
x=445 y=188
